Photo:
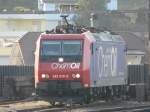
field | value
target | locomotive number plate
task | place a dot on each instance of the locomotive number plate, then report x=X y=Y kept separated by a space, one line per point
x=60 y=76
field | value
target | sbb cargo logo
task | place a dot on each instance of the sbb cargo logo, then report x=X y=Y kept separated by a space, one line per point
x=107 y=61
x=65 y=66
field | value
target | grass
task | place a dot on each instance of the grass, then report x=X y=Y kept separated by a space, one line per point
x=5 y=51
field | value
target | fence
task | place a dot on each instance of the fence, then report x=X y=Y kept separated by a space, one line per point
x=15 y=75
x=16 y=70
x=138 y=80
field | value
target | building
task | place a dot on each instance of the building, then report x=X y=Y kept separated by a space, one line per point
x=135 y=57
x=22 y=22
x=112 y=5
x=29 y=22
x=23 y=49
x=4 y=55
x=58 y=5
x=6 y=42
x=136 y=48
x=7 y=39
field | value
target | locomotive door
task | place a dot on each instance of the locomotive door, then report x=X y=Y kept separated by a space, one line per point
x=93 y=65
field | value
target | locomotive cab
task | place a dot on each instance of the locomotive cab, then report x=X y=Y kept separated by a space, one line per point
x=59 y=65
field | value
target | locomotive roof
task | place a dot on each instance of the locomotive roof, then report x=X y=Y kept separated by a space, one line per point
x=101 y=36
x=106 y=36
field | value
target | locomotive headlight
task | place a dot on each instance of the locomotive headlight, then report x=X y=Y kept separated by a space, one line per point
x=73 y=75
x=60 y=59
x=43 y=76
x=77 y=75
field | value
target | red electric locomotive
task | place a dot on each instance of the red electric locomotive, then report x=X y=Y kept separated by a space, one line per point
x=84 y=64
x=63 y=60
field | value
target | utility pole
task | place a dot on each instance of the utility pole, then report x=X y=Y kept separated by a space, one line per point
x=148 y=51
x=149 y=22
x=148 y=38
x=92 y=19
x=149 y=34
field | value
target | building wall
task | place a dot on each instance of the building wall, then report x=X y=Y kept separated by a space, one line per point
x=22 y=25
x=4 y=60
x=5 y=55
x=135 y=59
x=4 y=25
x=29 y=22
x=55 y=5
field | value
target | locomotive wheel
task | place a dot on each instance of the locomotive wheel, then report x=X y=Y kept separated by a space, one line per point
x=86 y=99
x=41 y=92
x=38 y=92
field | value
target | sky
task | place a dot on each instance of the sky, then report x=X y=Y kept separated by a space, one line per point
x=112 y=5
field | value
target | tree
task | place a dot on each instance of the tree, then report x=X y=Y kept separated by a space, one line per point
x=101 y=19
x=142 y=17
x=86 y=8
x=108 y=20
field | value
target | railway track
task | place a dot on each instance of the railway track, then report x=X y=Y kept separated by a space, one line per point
x=126 y=109
x=121 y=109
x=97 y=107
x=7 y=102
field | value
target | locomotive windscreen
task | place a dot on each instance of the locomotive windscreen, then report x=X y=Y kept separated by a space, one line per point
x=70 y=50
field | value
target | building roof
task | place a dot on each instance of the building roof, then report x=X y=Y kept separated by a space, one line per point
x=134 y=41
x=27 y=47
x=11 y=34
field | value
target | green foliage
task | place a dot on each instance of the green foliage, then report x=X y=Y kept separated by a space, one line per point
x=92 y=6
x=112 y=21
x=11 y=4
x=132 y=4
